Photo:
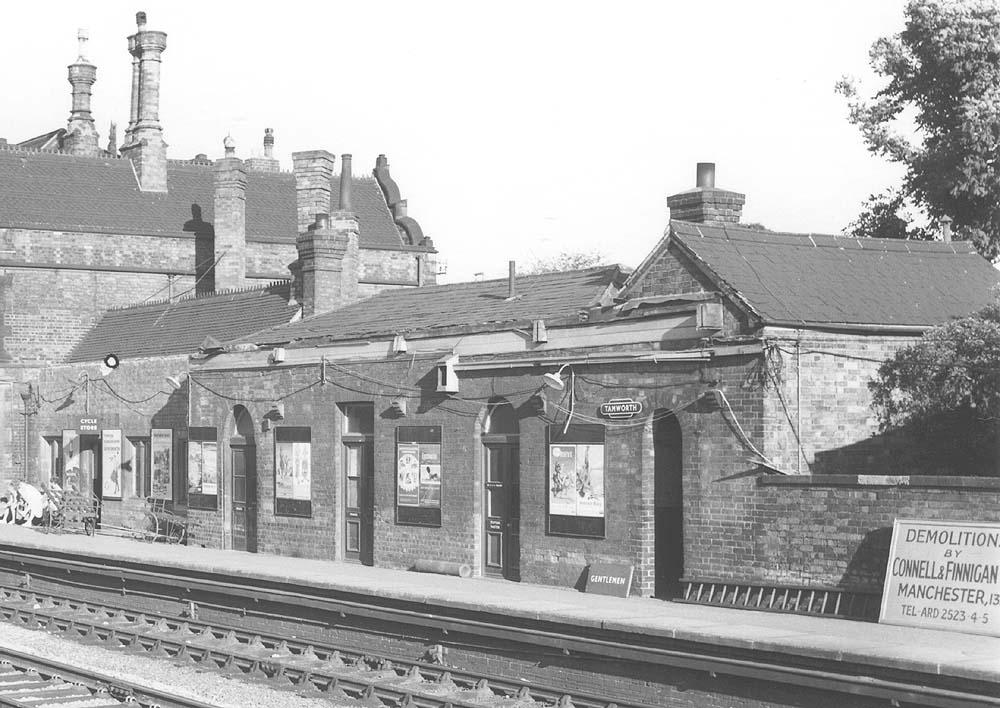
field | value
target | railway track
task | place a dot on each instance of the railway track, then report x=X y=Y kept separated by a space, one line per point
x=369 y=679
x=28 y=681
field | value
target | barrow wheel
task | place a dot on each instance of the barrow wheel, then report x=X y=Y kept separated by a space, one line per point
x=88 y=527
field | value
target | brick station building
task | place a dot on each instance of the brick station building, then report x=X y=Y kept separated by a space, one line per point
x=705 y=417
x=89 y=231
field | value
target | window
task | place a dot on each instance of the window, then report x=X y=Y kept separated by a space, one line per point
x=203 y=468
x=139 y=464
x=576 y=480
x=292 y=471
x=418 y=475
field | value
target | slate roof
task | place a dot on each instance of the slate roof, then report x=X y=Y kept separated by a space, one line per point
x=60 y=192
x=163 y=328
x=815 y=279
x=406 y=310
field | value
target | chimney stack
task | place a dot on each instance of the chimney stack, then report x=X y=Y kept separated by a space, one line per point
x=230 y=220
x=144 y=145
x=945 y=222
x=81 y=135
x=313 y=172
x=345 y=182
x=706 y=203
x=267 y=163
x=328 y=263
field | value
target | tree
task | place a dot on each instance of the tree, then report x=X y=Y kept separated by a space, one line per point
x=565 y=260
x=948 y=384
x=942 y=75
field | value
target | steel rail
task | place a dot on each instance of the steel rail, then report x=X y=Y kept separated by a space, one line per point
x=782 y=668
x=122 y=690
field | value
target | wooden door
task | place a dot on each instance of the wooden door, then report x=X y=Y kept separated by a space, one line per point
x=668 y=504
x=502 y=503
x=244 y=497
x=359 y=499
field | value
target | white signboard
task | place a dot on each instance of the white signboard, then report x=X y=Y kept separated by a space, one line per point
x=944 y=575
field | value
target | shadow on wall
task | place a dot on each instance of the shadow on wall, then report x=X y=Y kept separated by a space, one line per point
x=958 y=444
x=866 y=569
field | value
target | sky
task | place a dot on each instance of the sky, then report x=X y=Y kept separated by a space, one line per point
x=515 y=130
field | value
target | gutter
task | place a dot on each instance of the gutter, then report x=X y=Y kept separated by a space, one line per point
x=655 y=357
x=848 y=327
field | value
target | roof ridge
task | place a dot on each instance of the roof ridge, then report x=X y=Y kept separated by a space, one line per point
x=199 y=296
x=15 y=148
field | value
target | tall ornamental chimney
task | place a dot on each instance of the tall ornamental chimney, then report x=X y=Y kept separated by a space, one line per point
x=706 y=203
x=81 y=135
x=313 y=172
x=230 y=221
x=328 y=263
x=268 y=163
x=144 y=144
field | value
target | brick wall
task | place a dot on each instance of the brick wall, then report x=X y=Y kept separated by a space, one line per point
x=712 y=454
x=830 y=531
x=134 y=398
x=822 y=390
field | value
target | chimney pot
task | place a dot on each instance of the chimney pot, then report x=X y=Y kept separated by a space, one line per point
x=322 y=221
x=511 y=277
x=345 y=182
x=705 y=175
x=140 y=19
x=946 y=228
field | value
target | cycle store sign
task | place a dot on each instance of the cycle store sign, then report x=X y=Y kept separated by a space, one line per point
x=944 y=575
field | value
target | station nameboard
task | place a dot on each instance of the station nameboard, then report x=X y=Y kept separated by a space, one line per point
x=621 y=408
x=943 y=575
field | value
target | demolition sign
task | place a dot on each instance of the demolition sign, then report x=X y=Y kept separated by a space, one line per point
x=621 y=408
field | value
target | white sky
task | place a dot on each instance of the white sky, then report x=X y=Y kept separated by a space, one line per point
x=515 y=130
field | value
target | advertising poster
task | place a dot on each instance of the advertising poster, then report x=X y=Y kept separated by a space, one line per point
x=209 y=468
x=111 y=464
x=430 y=475
x=562 y=480
x=576 y=480
x=302 y=479
x=71 y=460
x=194 y=467
x=161 y=451
x=293 y=476
x=408 y=475
x=943 y=575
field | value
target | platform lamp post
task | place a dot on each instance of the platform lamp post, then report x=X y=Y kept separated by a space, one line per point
x=30 y=401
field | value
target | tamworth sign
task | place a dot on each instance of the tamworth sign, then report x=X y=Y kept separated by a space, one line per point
x=944 y=575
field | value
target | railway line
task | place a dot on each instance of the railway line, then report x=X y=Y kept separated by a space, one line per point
x=304 y=638
x=28 y=681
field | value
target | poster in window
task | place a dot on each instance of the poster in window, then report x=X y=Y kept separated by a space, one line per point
x=562 y=480
x=71 y=460
x=293 y=471
x=111 y=464
x=430 y=475
x=202 y=464
x=408 y=475
x=161 y=451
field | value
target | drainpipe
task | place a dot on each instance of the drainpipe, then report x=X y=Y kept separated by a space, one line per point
x=798 y=404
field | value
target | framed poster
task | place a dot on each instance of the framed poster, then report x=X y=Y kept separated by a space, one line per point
x=576 y=503
x=202 y=468
x=71 y=461
x=293 y=471
x=418 y=475
x=112 y=471
x=161 y=446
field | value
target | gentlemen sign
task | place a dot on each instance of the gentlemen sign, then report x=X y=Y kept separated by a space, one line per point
x=610 y=579
x=621 y=408
x=944 y=575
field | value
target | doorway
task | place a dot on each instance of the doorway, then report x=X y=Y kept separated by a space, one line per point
x=358 y=441
x=501 y=494
x=243 y=483
x=668 y=504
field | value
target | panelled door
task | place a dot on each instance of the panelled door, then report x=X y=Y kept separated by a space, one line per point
x=502 y=549
x=358 y=442
x=244 y=496
x=358 y=500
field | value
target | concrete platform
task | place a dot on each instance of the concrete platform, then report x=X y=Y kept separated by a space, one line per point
x=922 y=650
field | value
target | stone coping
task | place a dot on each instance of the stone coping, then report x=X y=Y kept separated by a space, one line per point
x=878 y=480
